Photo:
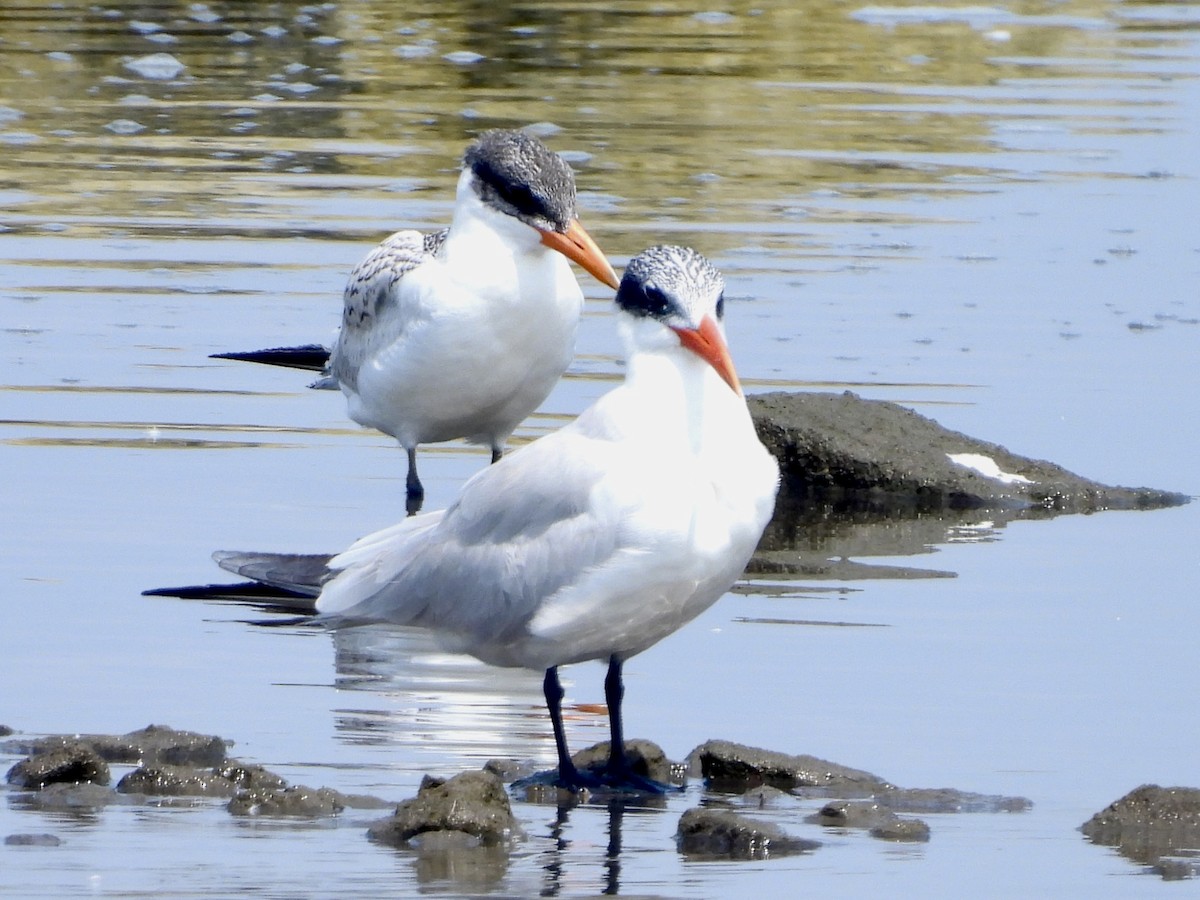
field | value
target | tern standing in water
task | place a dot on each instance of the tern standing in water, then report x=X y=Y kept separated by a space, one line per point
x=598 y=540
x=463 y=332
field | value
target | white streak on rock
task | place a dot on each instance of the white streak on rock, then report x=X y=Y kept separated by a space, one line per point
x=986 y=466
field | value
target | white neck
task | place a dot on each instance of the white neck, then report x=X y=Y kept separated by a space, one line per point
x=688 y=394
x=474 y=222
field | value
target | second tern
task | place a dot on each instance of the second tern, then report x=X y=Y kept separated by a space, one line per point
x=463 y=332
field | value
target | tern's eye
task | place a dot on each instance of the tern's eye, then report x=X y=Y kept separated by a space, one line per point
x=721 y=307
x=519 y=196
x=639 y=298
x=656 y=302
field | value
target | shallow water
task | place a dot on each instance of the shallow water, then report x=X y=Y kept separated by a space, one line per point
x=987 y=213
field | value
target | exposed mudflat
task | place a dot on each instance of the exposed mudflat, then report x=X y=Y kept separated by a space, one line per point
x=469 y=820
x=469 y=824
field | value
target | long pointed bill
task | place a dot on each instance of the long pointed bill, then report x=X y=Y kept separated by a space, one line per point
x=578 y=245
x=707 y=343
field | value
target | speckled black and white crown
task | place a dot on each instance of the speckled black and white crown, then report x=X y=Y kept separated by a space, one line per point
x=519 y=175
x=666 y=280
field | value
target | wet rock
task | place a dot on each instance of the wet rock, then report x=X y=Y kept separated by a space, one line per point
x=735 y=768
x=902 y=831
x=474 y=803
x=5 y=731
x=856 y=454
x=152 y=744
x=863 y=800
x=646 y=758
x=298 y=801
x=1149 y=823
x=175 y=781
x=165 y=745
x=77 y=798
x=878 y=820
x=253 y=790
x=950 y=800
x=510 y=770
x=718 y=833
x=363 y=801
x=31 y=840
x=853 y=814
x=248 y=776
x=68 y=763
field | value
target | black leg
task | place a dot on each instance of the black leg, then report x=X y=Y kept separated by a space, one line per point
x=617 y=774
x=414 y=489
x=497 y=453
x=553 y=690
x=614 y=693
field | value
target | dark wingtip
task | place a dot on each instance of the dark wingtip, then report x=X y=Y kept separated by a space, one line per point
x=251 y=593
x=312 y=357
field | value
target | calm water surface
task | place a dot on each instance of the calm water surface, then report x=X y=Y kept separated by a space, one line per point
x=987 y=213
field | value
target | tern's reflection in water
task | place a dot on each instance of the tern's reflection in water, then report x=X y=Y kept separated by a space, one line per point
x=567 y=865
x=435 y=711
x=439 y=712
x=561 y=866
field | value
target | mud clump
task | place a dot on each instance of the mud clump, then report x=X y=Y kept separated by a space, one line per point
x=532 y=783
x=860 y=800
x=152 y=744
x=902 y=831
x=735 y=768
x=1152 y=825
x=472 y=803
x=722 y=834
x=951 y=800
x=879 y=821
x=295 y=801
x=252 y=790
x=70 y=772
x=72 y=762
x=510 y=770
x=646 y=758
x=189 y=781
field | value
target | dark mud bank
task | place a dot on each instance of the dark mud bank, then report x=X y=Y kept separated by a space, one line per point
x=856 y=455
x=864 y=478
x=1154 y=826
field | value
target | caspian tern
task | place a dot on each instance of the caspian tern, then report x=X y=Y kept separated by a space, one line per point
x=463 y=332
x=598 y=540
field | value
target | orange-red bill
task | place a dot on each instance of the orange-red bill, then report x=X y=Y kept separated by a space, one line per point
x=576 y=244
x=707 y=343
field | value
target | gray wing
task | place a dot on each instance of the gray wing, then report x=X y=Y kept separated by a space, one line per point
x=302 y=573
x=521 y=531
x=371 y=289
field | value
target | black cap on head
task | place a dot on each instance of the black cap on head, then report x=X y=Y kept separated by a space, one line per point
x=521 y=176
x=666 y=281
